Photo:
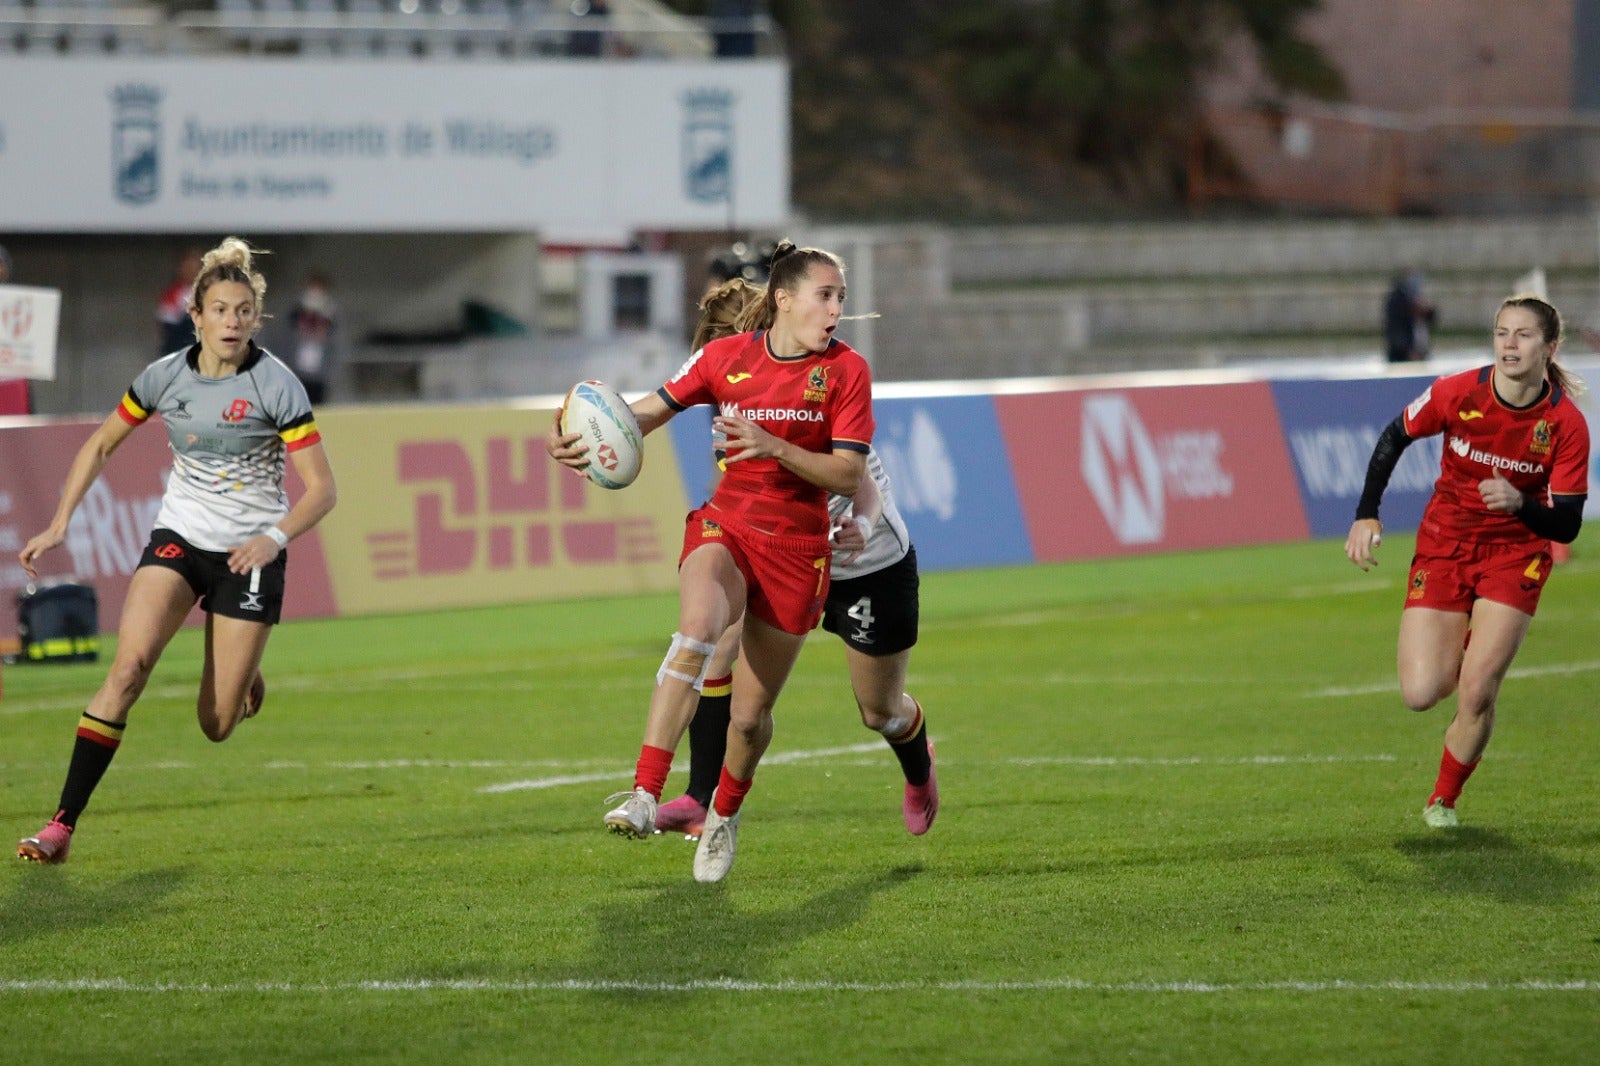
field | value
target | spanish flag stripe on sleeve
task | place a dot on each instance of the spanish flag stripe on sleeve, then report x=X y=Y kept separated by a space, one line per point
x=300 y=436
x=131 y=411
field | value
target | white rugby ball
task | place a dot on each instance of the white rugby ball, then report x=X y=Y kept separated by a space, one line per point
x=603 y=422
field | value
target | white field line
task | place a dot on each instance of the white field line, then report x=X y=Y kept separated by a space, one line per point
x=588 y=771
x=1520 y=672
x=1064 y=984
x=1194 y=760
x=775 y=759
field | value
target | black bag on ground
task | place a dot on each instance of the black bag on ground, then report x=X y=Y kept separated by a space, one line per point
x=59 y=624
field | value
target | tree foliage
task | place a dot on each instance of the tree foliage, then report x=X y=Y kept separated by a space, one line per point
x=1117 y=81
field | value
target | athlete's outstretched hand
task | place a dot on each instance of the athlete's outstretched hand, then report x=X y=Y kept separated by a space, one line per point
x=36 y=547
x=1365 y=535
x=1500 y=495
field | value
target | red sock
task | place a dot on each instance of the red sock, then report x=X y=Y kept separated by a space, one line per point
x=1453 y=774
x=650 y=773
x=731 y=792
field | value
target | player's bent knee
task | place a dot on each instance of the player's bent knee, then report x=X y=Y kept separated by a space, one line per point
x=687 y=660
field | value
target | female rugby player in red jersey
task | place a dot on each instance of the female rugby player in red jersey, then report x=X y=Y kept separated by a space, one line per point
x=1514 y=478
x=234 y=415
x=872 y=605
x=796 y=413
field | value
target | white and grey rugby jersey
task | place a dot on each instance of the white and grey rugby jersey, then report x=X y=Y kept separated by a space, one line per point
x=889 y=541
x=230 y=437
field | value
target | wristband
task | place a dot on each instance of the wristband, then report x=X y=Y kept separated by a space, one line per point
x=277 y=536
x=865 y=525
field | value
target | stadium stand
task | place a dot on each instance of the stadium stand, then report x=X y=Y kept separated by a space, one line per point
x=421 y=29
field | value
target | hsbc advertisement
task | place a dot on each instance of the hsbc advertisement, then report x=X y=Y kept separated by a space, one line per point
x=1109 y=472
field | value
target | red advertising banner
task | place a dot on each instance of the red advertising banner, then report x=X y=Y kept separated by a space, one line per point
x=112 y=525
x=13 y=396
x=1112 y=472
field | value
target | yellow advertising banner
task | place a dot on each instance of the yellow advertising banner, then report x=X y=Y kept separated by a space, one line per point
x=460 y=506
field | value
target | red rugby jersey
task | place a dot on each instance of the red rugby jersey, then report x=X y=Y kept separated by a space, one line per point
x=1542 y=449
x=818 y=401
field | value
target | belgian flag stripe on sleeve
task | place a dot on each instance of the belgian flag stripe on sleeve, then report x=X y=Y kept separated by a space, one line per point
x=300 y=436
x=132 y=411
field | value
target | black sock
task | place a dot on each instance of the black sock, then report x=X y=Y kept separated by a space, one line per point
x=97 y=742
x=708 y=739
x=913 y=756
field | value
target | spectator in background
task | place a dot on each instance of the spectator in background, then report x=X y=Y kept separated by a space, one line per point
x=733 y=27
x=14 y=398
x=314 y=321
x=1408 y=320
x=177 y=330
x=589 y=42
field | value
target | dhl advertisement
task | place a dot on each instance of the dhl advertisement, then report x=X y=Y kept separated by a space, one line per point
x=453 y=506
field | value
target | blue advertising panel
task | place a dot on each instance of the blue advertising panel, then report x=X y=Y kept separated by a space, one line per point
x=947 y=463
x=1331 y=426
x=947 y=467
x=691 y=439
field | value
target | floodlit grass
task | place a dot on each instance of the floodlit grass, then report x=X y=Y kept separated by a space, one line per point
x=1181 y=823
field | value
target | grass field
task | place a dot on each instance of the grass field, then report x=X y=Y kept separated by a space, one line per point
x=1181 y=823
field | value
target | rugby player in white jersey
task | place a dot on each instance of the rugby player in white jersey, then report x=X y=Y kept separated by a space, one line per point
x=235 y=416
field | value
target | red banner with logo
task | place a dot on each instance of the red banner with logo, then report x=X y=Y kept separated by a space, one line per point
x=1116 y=471
x=112 y=524
x=13 y=396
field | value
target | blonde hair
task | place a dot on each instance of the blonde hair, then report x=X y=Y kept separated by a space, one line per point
x=232 y=260
x=726 y=310
x=1550 y=329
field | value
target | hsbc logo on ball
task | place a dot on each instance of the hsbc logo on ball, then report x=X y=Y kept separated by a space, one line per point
x=1132 y=474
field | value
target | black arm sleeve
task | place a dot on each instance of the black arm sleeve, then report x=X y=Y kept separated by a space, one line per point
x=1560 y=523
x=1385 y=457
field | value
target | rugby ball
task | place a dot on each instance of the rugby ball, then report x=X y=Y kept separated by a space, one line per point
x=603 y=422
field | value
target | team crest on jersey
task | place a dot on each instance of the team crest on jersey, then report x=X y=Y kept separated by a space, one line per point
x=817 y=385
x=1540 y=444
x=1419 y=585
x=238 y=411
x=709 y=528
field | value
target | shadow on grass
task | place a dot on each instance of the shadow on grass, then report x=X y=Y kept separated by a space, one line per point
x=693 y=932
x=1490 y=863
x=48 y=899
